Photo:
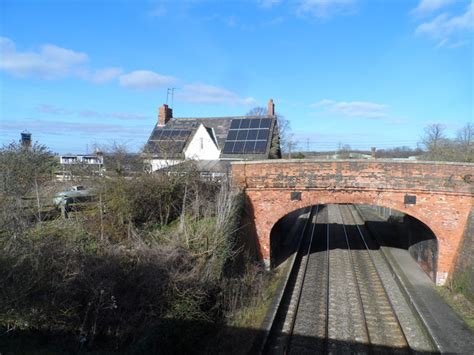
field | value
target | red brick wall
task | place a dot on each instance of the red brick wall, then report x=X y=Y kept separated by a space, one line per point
x=444 y=193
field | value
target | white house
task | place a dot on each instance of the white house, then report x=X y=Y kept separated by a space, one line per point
x=87 y=159
x=203 y=145
x=174 y=140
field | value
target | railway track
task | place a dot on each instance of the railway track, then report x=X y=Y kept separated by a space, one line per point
x=335 y=299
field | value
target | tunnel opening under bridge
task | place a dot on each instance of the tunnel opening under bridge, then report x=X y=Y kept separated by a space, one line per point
x=388 y=227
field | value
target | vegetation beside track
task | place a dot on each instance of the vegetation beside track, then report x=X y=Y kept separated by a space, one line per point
x=150 y=268
x=454 y=293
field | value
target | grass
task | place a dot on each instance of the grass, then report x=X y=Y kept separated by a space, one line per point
x=247 y=323
x=238 y=333
x=460 y=304
x=253 y=316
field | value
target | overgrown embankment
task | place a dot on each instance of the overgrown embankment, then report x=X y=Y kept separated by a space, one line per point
x=146 y=267
x=459 y=290
x=463 y=279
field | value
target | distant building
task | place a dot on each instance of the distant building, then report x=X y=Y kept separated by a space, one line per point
x=175 y=140
x=25 y=140
x=79 y=164
x=86 y=159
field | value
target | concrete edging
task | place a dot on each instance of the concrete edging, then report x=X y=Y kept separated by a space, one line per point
x=401 y=281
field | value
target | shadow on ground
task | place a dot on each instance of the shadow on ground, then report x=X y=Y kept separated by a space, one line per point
x=182 y=337
x=402 y=232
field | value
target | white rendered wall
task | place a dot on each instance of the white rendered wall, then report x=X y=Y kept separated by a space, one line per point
x=202 y=146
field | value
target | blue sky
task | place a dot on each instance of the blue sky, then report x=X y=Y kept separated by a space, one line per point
x=358 y=72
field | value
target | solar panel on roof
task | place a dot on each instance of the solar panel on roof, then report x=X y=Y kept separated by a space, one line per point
x=228 y=147
x=248 y=136
x=242 y=135
x=263 y=134
x=260 y=147
x=252 y=134
x=156 y=135
x=171 y=135
x=249 y=146
x=238 y=147
x=255 y=123
x=232 y=135
x=235 y=124
x=245 y=123
x=265 y=123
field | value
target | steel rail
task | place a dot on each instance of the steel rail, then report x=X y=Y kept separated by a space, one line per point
x=361 y=235
x=300 y=291
x=359 y=297
x=398 y=280
x=289 y=287
x=326 y=336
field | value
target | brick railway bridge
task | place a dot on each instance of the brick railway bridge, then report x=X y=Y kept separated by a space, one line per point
x=438 y=194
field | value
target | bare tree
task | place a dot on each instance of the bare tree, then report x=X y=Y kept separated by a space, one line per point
x=257 y=111
x=434 y=134
x=440 y=147
x=465 y=140
x=344 y=151
x=466 y=134
x=433 y=140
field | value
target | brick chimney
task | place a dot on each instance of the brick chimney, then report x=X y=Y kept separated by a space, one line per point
x=271 y=108
x=164 y=115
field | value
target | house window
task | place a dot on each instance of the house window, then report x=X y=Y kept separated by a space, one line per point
x=202 y=143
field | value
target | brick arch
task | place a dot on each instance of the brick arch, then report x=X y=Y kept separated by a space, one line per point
x=275 y=205
x=337 y=199
x=444 y=194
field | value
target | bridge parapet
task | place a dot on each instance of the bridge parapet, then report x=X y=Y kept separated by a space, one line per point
x=438 y=194
x=457 y=178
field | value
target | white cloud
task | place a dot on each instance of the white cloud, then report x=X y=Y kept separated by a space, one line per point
x=267 y=4
x=65 y=128
x=353 y=109
x=102 y=76
x=126 y=116
x=208 y=94
x=446 y=28
x=426 y=7
x=54 y=110
x=145 y=80
x=325 y=8
x=53 y=62
x=50 y=62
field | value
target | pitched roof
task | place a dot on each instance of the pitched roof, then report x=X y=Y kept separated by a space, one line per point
x=168 y=143
x=168 y=146
x=220 y=125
